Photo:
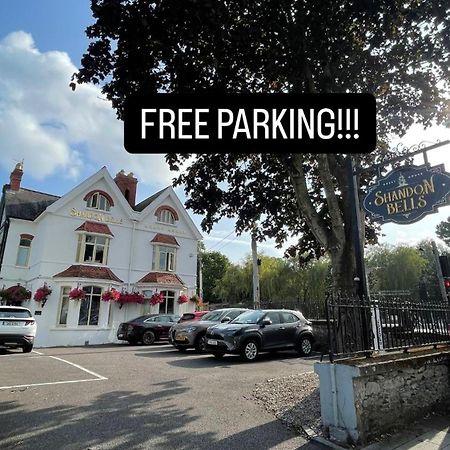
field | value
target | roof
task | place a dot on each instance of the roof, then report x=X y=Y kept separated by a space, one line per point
x=26 y=204
x=165 y=239
x=142 y=205
x=162 y=278
x=95 y=227
x=81 y=271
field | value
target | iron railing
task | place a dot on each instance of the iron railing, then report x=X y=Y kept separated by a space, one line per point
x=385 y=323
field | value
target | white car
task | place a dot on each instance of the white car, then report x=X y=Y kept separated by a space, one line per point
x=17 y=328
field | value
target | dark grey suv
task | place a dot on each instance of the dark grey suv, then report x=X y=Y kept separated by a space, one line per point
x=192 y=333
x=261 y=330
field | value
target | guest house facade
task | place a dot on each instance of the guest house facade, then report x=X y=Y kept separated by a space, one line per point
x=95 y=240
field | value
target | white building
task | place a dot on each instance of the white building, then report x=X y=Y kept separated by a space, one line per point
x=95 y=238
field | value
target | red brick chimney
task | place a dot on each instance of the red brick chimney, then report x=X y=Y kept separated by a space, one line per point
x=127 y=185
x=16 y=177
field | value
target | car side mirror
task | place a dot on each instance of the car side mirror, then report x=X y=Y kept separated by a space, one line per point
x=266 y=322
x=225 y=319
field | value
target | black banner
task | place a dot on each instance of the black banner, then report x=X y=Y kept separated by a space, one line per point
x=252 y=123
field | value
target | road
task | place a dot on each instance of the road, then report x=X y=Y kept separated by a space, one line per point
x=124 y=397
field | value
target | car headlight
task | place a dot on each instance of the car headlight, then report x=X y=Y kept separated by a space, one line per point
x=190 y=329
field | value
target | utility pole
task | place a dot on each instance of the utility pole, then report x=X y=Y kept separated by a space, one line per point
x=256 y=297
x=200 y=275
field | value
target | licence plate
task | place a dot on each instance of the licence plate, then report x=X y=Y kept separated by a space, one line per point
x=11 y=323
x=212 y=342
x=180 y=338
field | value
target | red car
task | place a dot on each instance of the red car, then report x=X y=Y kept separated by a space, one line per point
x=197 y=315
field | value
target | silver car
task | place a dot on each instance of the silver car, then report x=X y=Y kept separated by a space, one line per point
x=191 y=334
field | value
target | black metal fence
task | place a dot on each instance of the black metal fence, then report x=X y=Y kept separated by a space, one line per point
x=385 y=323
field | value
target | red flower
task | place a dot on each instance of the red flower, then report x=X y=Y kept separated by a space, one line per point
x=183 y=299
x=111 y=294
x=77 y=294
x=42 y=294
x=156 y=298
x=133 y=297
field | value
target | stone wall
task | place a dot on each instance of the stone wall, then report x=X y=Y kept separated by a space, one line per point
x=391 y=394
x=363 y=398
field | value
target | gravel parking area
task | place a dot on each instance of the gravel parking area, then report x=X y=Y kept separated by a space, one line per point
x=293 y=399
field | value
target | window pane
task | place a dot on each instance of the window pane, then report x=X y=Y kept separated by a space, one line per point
x=95 y=308
x=96 y=290
x=22 y=256
x=64 y=311
x=101 y=240
x=274 y=317
x=84 y=312
x=90 y=238
x=94 y=201
x=98 y=254
x=88 y=252
x=162 y=261
x=102 y=203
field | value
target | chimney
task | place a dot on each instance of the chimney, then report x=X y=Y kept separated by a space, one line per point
x=16 y=177
x=127 y=185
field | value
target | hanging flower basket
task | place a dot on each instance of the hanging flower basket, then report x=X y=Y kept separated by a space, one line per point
x=157 y=298
x=130 y=297
x=195 y=299
x=77 y=294
x=183 y=298
x=111 y=295
x=15 y=294
x=41 y=294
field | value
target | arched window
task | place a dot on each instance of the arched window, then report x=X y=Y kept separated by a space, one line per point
x=90 y=306
x=166 y=214
x=99 y=200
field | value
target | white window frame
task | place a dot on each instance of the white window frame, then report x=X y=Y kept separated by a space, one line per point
x=98 y=197
x=169 y=260
x=81 y=248
x=166 y=216
x=166 y=297
x=88 y=297
x=64 y=295
x=26 y=248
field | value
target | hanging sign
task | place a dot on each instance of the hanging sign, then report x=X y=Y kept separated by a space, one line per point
x=409 y=193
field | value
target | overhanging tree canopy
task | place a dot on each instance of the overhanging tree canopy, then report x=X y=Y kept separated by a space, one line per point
x=397 y=50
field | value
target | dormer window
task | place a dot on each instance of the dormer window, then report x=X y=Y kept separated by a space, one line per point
x=166 y=214
x=99 y=200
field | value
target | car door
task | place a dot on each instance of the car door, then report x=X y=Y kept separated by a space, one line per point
x=272 y=335
x=291 y=323
x=164 y=326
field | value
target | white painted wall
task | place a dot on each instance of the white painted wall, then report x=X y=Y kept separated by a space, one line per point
x=54 y=249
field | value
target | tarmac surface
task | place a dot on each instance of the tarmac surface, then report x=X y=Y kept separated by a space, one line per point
x=133 y=397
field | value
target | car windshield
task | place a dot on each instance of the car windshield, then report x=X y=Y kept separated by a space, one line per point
x=249 y=317
x=213 y=315
x=10 y=312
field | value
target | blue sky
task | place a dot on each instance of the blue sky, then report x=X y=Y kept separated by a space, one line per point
x=65 y=137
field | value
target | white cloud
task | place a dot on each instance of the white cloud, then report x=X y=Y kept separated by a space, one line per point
x=54 y=129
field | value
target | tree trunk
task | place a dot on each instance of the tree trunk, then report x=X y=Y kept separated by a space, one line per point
x=344 y=269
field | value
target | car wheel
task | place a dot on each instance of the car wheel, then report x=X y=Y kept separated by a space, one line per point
x=148 y=338
x=200 y=343
x=250 y=351
x=218 y=355
x=26 y=348
x=305 y=346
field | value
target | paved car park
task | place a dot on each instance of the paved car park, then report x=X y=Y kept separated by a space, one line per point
x=120 y=396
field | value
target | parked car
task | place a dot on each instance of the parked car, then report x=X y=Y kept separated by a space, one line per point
x=197 y=315
x=17 y=328
x=147 y=329
x=192 y=334
x=261 y=330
